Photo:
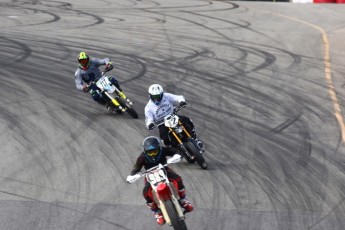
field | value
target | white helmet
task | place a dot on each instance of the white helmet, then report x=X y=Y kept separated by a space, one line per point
x=156 y=93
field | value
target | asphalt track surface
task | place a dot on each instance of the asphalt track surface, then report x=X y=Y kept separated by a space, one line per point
x=259 y=88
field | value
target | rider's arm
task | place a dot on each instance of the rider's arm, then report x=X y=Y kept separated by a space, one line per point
x=78 y=80
x=176 y=99
x=138 y=164
x=149 y=119
x=99 y=62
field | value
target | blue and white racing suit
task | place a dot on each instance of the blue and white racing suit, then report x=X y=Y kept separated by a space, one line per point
x=90 y=74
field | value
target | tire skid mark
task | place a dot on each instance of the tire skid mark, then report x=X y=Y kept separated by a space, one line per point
x=232 y=7
x=55 y=17
x=230 y=165
x=25 y=141
x=269 y=57
x=29 y=184
x=63 y=6
x=158 y=4
x=64 y=207
x=327 y=68
x=23 y=47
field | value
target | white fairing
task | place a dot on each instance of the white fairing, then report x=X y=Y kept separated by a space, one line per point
x=171 y=121
x=104 y=84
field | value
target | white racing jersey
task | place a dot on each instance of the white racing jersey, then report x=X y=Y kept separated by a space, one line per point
x=156 y=113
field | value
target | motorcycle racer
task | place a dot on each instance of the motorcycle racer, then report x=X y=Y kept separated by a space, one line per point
x=162 y=104
x=154 y=153
x=89 y=71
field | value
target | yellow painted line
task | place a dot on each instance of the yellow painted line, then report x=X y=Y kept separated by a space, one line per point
x=328 y=75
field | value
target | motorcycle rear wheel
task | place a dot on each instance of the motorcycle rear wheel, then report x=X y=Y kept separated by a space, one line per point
x=129 y=109
x=192 y=149
x=176 y=221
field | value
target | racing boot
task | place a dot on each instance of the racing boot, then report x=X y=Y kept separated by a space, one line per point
x=108 y=106
x=159 y=217
x=188 y=207
x=158 y=213
x=184 y=202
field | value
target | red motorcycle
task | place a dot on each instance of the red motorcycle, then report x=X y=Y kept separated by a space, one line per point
x=164 y=192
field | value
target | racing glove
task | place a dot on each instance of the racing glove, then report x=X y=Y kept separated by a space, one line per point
x=109 y=66
x=151 y=126
x=131 y=179
x=85 y=88
x=182 y=104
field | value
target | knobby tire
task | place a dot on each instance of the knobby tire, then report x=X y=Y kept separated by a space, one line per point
x=191 y=148
x=176 y=222
x=129 y=109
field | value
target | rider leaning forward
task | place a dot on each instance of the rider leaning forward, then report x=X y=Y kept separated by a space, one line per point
x=162 y=104
x=88 y=72
x=154 y=153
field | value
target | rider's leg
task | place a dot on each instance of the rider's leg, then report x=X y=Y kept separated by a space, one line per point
x=181 y=190
x=96 y=95
x=152 y=204
x=121 y=93
x=163 y=134
x=116 y=83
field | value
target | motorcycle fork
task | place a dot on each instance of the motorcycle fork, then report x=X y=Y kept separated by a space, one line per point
x=180 y=141
x=121 y=94
x=113 y=100
x=184 y=129
x=176 y=136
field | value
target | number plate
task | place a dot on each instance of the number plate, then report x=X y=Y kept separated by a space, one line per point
x=156 y=177
x=171 y=121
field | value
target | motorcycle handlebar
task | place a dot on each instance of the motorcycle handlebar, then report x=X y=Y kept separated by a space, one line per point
x=175 y=111
x=175 y=159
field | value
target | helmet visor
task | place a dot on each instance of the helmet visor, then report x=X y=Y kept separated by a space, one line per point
x=152 y=152
x=157 y=97
x=83 y=62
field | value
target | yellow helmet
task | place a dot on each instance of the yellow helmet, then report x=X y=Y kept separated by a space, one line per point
x=84 y=60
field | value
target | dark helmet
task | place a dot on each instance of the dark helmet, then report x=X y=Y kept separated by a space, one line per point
x=156 y=93
x=84 y=60
x=152 y=148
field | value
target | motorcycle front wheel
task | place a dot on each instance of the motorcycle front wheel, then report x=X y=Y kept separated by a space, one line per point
x=192 y=149
x=129 y=109
x=176 y=221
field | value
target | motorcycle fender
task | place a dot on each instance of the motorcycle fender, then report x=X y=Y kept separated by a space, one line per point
x=163 y=192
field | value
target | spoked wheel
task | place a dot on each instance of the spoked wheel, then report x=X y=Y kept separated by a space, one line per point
x=129 y=109
x=192 y=149
x=177 y=222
